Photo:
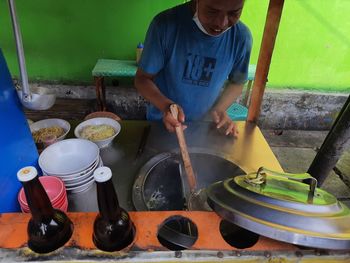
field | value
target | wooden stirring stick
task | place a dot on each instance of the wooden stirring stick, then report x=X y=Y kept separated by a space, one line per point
x=183 y=148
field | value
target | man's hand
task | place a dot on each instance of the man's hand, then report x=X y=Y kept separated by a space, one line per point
x=219 y=115
x=222 y=120
x=170 y=122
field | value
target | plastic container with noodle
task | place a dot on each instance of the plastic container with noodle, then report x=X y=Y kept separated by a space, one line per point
x=100 y=130
x=42 y=129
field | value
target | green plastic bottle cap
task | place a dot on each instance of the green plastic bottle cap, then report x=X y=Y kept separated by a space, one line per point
x=102 y=174
x=27 y=173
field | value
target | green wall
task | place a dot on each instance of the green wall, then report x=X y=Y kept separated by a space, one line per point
x=63 y=39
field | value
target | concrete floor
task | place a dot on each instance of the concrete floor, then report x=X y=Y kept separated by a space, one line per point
x=296 y=149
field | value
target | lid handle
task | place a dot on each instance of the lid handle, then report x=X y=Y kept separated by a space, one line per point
x=304 y=178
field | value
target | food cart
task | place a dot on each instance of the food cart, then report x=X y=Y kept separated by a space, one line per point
x=140 y=158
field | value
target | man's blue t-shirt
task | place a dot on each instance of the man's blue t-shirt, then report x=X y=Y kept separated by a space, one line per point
x=190 y=67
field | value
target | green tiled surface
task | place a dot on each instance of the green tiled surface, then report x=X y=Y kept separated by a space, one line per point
x=127 y=68
x=237 y=112
x=114 y=68
x=251 y=72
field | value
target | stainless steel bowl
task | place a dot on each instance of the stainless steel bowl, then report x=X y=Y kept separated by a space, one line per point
x=39 y=98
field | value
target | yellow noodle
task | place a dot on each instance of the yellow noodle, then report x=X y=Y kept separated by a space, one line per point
x=40 y=134
x=97 y=132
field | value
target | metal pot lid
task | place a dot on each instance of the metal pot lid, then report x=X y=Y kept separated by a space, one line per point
x=283 y=207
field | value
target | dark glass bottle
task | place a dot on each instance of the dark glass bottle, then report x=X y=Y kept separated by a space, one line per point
x=113 y=228
x=49 y=228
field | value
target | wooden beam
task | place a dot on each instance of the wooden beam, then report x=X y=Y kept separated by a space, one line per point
x=267 y=45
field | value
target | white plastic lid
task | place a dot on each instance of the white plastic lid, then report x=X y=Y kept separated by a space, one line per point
x=102 y=174
x=27 y=173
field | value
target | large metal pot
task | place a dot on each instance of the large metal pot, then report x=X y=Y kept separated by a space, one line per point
x=161 y=185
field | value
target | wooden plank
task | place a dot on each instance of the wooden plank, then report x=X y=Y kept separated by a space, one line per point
x=343 y=167
x=67 y=109
x=336 y=186
x=295 y=138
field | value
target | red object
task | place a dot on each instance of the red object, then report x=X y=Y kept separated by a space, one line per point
x=55 y=189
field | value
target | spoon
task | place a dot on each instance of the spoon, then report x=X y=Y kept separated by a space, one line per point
x=39 y=98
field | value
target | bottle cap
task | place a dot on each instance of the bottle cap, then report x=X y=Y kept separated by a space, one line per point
x=140 y=45
x=27 y=173
x=102 y=174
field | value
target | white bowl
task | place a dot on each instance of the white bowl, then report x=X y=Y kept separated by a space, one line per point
x=79 y=174
x=79 y=182
x=68 y=156
x=49 y=123
x=76 y=179
x=81 y=188
x=99 y=121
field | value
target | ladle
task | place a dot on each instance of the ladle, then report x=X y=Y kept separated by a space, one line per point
x=196 y=200
x=183 y=148
x=39 y=98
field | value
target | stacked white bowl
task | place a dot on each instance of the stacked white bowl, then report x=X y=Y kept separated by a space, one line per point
x=73 y=161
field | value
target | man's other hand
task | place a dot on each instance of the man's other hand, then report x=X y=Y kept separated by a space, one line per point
x=222 y=120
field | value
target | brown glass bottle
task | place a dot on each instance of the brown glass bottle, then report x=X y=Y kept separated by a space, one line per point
x=113 y=228
x=49 y=228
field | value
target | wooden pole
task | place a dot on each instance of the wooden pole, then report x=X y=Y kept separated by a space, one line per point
x=267 y=45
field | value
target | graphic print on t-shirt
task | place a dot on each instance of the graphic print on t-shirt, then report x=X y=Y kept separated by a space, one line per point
x=198 y=70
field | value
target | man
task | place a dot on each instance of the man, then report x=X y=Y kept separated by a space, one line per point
x=190 y=51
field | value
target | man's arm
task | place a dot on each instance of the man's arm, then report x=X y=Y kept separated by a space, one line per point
x=228 y=96
x=220 y=117
x=148 y=89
